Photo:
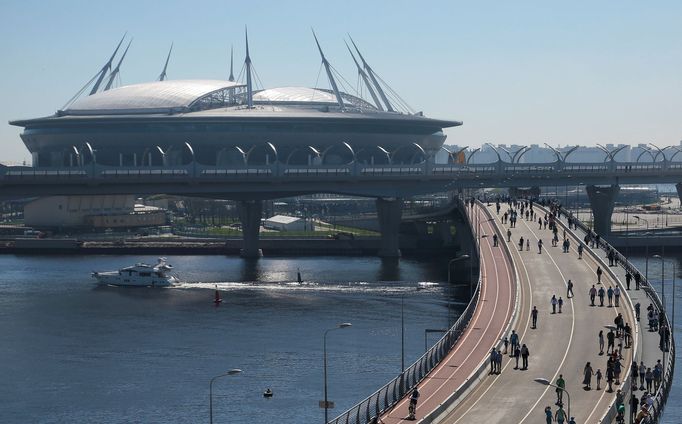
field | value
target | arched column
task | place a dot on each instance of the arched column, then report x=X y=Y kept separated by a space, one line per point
x=389 y=213
x=602 y=201
x=250 y=212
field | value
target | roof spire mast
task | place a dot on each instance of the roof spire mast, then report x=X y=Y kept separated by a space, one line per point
x=362 y=73
x=117 y=68
x=247 y=62
x=372 y=77
x=231 y=78
x=162 y=77
x=106 y=67
x=327 y=68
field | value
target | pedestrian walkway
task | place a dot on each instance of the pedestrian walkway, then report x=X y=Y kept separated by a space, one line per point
x=563 y=342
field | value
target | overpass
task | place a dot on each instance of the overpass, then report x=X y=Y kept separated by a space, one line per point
x=456 y=386
x=389 y=184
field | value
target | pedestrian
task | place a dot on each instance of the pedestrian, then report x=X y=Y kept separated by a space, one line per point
x=580 y=251
x=561 y=386
x=506 y=344
x=494 y=240
x=616 y=295
x=598 y=376
x=609 y=376
x=509 y=235
x=539 y=246
x=601 y=294
x=609 y=294
x=493 y=360
x=642 y=375
x=638 y=280
x=514 y=339
x=610 y=338
x=657 y=373
x=554 y=302
x=617 y=369
x=525 y=353
x=527 y=244
x=633 y=375
x=540 y=222
x=587 y=380
x=548 y=415
x=599 y=273
x=517 y=355
x=534 y=317
x=637 y=309
x=628 y=278
x=601 y=342
x=560 y=303
x=412 y=409
x=560 y=415
x=627 y=331
x=593 y=294
x=634 y=406
x=521 y=244
x=649 y=377
x=569 y=289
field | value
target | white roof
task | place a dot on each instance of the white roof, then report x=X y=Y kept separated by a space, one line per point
x=294 y=94
x=282 y=219
x=157 y=97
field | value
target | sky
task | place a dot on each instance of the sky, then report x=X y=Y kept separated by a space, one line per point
x=515 y=72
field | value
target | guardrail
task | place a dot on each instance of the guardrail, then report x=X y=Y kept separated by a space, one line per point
x=664 y=389
x=386 y=397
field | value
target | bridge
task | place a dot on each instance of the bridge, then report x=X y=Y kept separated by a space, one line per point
x=389 y=184
x=453 y=376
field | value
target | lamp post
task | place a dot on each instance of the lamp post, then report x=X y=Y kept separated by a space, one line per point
x=210 y=390
x=646 y=246
x=326 y=403
x=546 y=382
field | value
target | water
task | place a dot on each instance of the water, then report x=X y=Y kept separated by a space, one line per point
x=71 y=351
x=673 y=408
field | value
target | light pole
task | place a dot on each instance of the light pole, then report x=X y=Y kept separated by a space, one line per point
x=402 y=333
x=646 y=246
x=546 y=382
x=210 y=390
x=326 y=403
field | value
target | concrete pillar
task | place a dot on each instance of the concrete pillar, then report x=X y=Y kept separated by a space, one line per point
x=602 y=200
x=389 y=213
x=250 y=212
x=678 y=186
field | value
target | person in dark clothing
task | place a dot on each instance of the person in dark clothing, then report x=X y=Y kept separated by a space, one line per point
x=638 y=280
x=599 y=273
x=525 y=353
x=517 y=355
x=628 y=278
x=534 y=317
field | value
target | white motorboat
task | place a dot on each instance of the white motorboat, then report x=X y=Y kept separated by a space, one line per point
x=139 y=275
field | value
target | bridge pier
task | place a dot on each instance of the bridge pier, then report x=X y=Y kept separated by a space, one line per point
x=250 y=213
x=389 y=213
x=602 y=200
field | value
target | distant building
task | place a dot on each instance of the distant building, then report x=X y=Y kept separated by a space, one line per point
x=285 y=223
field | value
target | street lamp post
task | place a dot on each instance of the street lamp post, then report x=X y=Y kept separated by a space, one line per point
x=210 y=390
x=326 y=403
x=546 y=382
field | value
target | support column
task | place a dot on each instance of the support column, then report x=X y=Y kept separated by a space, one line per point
x=602 y=200
x=250 y=213
x=678 y=186
x=389 y=213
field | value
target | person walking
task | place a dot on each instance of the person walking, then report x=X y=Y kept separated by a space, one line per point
x=587 y=373
x=560 y=415
x=601 y=294
x=599 y=377
x=494 y=240
x=609 y=376
x=525 y=353
x=506 y=345
x=548 y=415
x=638 y=280
x=580 y=251
x=634 y=406
x=657 y=373
x=534 y=317
x=540 y=222
x=617 y=369
x=599 y=273
x=527 y=244
x=637 y=310
x=610 y=338
x=601 y=342
x=554 y=302
x=514 y=340
x=561 y=386
x=628 y=278
x=560 y=303
x=517 y=355
x=509 y=235
x=569 y=289
x=593 y=294
x=649 y=377
x=412 y=408
x=493 y=361
x=521 y=244
x=633 y=375
x=609 y=294
x=616 y=296
x=539 y=246
x=642 y=375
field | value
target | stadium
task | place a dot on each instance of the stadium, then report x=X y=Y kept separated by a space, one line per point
x=225 y=123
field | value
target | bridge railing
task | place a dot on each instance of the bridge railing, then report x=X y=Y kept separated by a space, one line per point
x=666 y=383
x=386 y=397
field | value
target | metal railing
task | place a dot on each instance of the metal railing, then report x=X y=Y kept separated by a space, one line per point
x=666 y=383
x=386 y=397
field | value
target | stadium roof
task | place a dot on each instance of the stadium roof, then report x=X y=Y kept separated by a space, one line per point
x=152 y=97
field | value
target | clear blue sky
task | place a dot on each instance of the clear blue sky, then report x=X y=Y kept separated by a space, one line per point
x=514 y=71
